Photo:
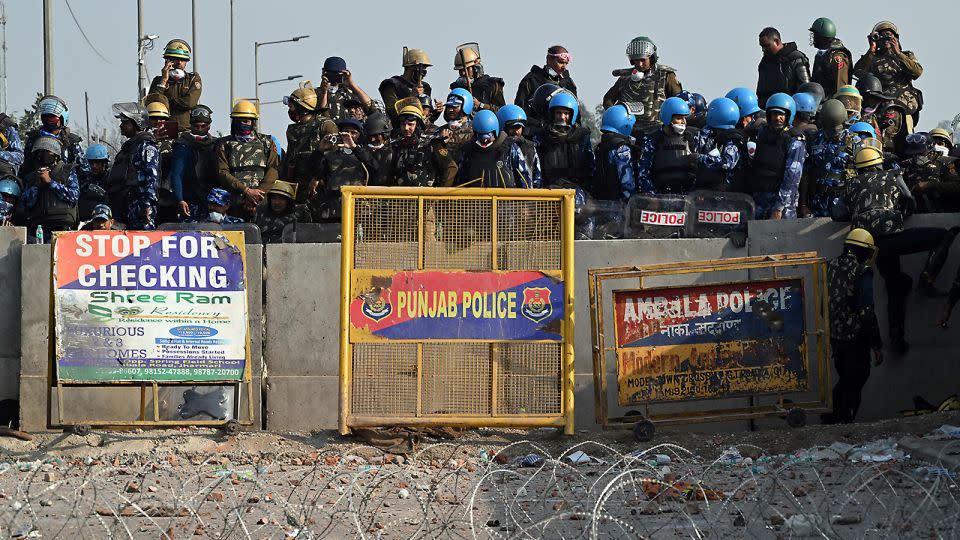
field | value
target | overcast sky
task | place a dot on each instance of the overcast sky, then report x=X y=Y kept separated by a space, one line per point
x=713 y=47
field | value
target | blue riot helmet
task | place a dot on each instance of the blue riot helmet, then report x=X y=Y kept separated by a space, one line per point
x=746 y=99
x=806 y=103
x=617 y=119
x=219 y=196
x=566 y=100
x=694 y=100
x=511 y=114
x=783 y=102
x=9 y=186
x=486 y=122
x=864 y=128
x=672 y=107
x=465 y=97
x=723 y=113
x=96 y=152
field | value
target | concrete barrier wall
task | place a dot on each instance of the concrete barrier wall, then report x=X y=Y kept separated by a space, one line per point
x=12 y=240
x=296 y=316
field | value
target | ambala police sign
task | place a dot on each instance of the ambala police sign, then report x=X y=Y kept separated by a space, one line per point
x=150 y=306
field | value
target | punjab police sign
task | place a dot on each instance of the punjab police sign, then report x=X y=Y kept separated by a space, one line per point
x=150 y=306
x=710 y=341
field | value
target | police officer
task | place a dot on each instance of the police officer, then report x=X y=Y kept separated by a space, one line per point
x=566 y=154
x=92 y=177
x=554 y=71
x=158 y=120
x=806 y=118
x=218 y=204
x=377 y=154
x=279 y=210
x=698 y=109
x=896 y=68
x=750 y=111
x=721 y=148
x=135 y=175
x=616 y=177
x=11 y=147
x=854 y=330
x=931 y=176
x=410 y=84
x=54 y=118
x=648 y=82
x=832 y=67
x=303 y=137
x=458 y=129
x=852 y=101
x=874 y=99
x=486 y=90
x=878 y=200
x=815 y=90
x=181 y=88
x=337 y=89
x=246 y=160
x=101 y=219
x=335 y=164
x=830 y=162
x=524 y=160
x=942 y=141
x=485 y=161
x=896 y=124
x=9 y=197
x=783 y=67
x=774 y=175
x=418 y=159
x=51 y=197
x=668 y=162
x=193 y=167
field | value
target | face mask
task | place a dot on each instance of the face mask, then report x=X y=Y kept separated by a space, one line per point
x=375 y=146
x=334 y=89
x=215 y=217
x=177 y=74
x=551 y=72
x=455 y=124
x=51 y=122
x=294 y=115
x=47 y=159
x=940 y=149
x=241 y=129
x=679 y=128
x=636 y=75
x=869 y=110
x=485 y=140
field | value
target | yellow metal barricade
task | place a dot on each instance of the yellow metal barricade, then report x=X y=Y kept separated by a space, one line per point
x=456 y=307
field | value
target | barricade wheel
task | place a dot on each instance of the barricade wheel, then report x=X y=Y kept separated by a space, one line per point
x=232 y=427
x=644 y=430
x=796 y=417
x=81 y=429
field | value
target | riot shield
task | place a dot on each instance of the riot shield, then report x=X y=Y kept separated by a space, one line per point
x=601 y=220
x=717 y=214
x=657 y=216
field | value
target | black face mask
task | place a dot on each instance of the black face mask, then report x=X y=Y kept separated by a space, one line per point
x=46 y=159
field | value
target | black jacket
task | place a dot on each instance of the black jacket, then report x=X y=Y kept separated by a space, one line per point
x=783 y=72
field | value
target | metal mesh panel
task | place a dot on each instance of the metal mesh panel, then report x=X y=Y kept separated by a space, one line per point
x=528 y=378
x=528 y=234
x=456 y=378
x=457 y=234
x=384 y=379
x=385 y=233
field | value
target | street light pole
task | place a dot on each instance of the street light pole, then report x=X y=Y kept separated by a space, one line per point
x=47 y=47
x=193 y=29
x=256 y=60
x=231 y=54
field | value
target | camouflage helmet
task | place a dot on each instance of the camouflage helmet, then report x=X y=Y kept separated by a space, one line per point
x=886 y=25
x=244 y=109
x=465 y=57
x=377 y=124
x=642 y=47
x=868 y=156
x=942 y=134
x=415 y=57
x=177 y=48
x=284 y=189
x=305 y=96
x=833 y=113
x=157 y=109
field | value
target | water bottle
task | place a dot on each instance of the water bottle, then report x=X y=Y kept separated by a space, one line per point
x=39 y=234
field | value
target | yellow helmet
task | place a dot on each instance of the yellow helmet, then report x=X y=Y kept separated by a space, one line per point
x=412 y=110
x=464 y=58
x=284 y=189
x=305 y=96
x=940 y=133
x=244 y=109
x=177 y=48
x=413 y=57
x=867 y=157
x=157 y=109
x=860 y=237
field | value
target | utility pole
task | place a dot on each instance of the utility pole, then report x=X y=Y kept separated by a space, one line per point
x=47 y=47
x=86 y=108
x=141 y=64
x=231 y=54
x=3 y=57
x=193 y=28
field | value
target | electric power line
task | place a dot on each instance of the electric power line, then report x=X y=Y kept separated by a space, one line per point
x=84 y=34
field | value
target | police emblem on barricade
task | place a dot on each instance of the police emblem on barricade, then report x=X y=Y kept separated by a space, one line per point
x=536 y=303
x=376 y=304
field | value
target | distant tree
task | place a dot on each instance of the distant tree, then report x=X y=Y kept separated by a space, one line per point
x=30 y=119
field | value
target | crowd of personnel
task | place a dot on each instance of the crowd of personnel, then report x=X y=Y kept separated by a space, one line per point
x=833 y=140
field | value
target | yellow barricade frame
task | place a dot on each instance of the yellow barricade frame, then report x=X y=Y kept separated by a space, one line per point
x=564 y=198
x=819 y=330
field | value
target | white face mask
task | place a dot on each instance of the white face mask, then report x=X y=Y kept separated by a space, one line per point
x=177 y=74
x=375 y=146
x=215 y=217
x=679 y=128
x=636 y=75
x=942 y=150
x=552 y=73
x=334 y=89
x=455 y=124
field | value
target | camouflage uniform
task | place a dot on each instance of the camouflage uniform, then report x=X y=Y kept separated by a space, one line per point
x=936 y=171
x=142 y=197
x=336 y=109
x=11 y=158
x=335 y=168
x=53 y=206
x=271 y=223
x=896 y=72
x=658 y=84
x=853 y=331
x=181 y=96
x=423 y=162
x=246 y=162
x=456 y=137
x=302 y=141
x=829 y=167
x=396 y=88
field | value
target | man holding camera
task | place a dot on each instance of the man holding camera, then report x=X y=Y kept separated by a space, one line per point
x=896 y=68
x=181 y=88
x=338 y=88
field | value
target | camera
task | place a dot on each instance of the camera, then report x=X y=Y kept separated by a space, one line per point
x=334 y=138
x=335 y=77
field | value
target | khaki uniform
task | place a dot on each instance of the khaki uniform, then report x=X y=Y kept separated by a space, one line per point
x=182 y=96
x=896 y=72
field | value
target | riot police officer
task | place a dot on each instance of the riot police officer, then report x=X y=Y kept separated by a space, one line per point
x=193 y=167
x=555 y=71
x=698 y=109
x=135 y=174
x=806 y=118
x=833 y=65
x=896 y=68
x=773 y=178
x=409 y=84
x=180 y=88
x=830 y=162
x=616 y=177
x=524 y=159
x=721 y=148
x=11 y=147
x=854 y=330
x=485 y=161
x=458 y=129
x=649 y=83
x=50 y=199
x=749 y=105
x=486 y=90
x=303 y=136
x=668 y=161
x=54 y=121
x=566 y=154
x=246 y=160
x=92 y=179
